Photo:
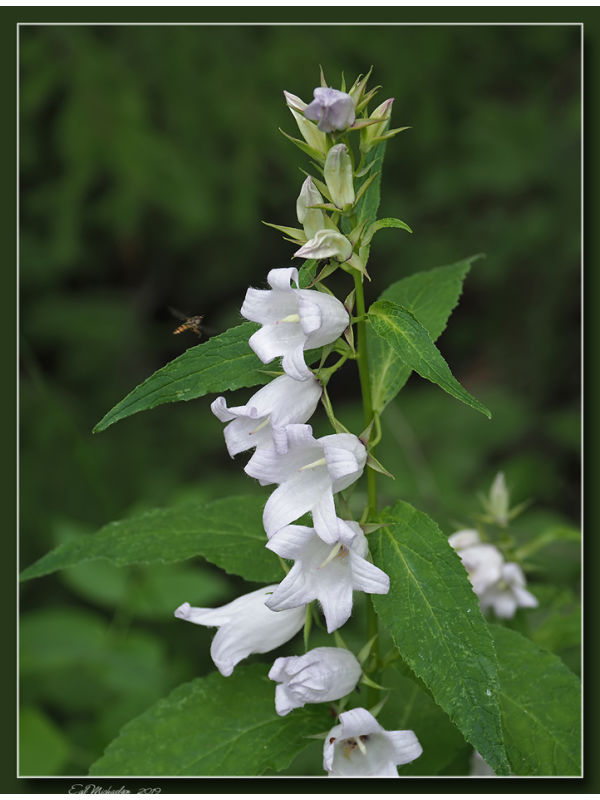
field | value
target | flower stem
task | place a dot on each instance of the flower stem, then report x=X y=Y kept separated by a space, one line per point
x=365 y=387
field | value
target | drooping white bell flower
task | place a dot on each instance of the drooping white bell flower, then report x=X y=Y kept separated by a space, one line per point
x=324 y=573
x=309 y=474
x=326 y=243
x=508 y=593
x=360 y=746
x=261 y=422
x=464 y=538
x=331 y=109
x=293 y=320
x=321 y=675
x=246 y=626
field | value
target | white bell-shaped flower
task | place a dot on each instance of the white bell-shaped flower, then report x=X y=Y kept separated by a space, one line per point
x=261 y=422
x=331 y=109
x=319 y=676
x=508 y=593
x=245 y=626
x=325 y=573
x=326 y=243
x=360 y=746
x=293 y=320
x=309 y=474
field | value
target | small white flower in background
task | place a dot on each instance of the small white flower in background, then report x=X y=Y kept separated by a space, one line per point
x=483 y=562
x=331 y=109
x=508 y=593
x=499 y=501
x=360 y=746
x=261 y=422
x=293 y=320
x=309 y=474
x=326 y=243
x=311 y=219
x=338 y=175
x=479 y=767
x=465 y=538
x=321 y=675
x=325 y=573
x=246 y=626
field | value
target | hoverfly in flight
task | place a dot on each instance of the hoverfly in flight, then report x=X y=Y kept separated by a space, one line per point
x=193 y=324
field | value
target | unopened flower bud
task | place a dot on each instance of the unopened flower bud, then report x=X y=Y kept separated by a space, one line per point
x=338 y=175
x=321 y=675
x=310 y=132
x=293 y=101
x=499 y=499
x=326 y=244
x=331 y=109
x=383 y=112
x=312 y=219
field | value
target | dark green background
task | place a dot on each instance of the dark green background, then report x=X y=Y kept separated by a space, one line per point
x=149 y=155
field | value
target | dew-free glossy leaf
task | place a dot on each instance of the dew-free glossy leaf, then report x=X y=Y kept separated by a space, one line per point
x=227 y=532
x=435 y=621
x=224 y=362
x=540 y=701
x=413 y=345
x=430 y=297
x=213 y=726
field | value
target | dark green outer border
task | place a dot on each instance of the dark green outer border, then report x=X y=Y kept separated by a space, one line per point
x=9 y=18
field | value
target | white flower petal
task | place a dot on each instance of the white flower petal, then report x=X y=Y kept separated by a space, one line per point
x=366 y=577
x=294 y=365
x=406 y=745
x=246 y=626
x=289 y=542
x=524 y=598
x=294 y=590
x=292 y=499
x=282 y=278
x=464 y=538
x=220 y=410
x=325 y=518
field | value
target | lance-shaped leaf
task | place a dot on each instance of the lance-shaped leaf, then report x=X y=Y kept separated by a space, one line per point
x=540 y=701
x=227 y=532
x=413 y=345
x=430 y=296
x=223 y=363
x=213 y=726
x=434 y=618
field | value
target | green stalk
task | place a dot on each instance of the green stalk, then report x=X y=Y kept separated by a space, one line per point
x=365 y=388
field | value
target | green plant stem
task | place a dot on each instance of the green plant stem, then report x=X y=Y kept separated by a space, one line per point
x=365 y=387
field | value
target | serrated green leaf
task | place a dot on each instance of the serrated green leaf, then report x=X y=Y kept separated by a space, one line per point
x=226 y=532
x=410 y=708
x=224 y=362
x=430 y=296
x=541 y=707
x=435 y=621
x=213 y=726
x=413 y=345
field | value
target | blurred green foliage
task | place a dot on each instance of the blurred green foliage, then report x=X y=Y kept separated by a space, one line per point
x=149 y=155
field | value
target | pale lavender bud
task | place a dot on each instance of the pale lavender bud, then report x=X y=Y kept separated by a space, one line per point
x=338 y=175
x=331 y=109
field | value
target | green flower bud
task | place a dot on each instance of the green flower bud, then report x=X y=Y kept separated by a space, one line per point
x=338 y=175
x=312 y=219
x=310 y=133
x=371 y=132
